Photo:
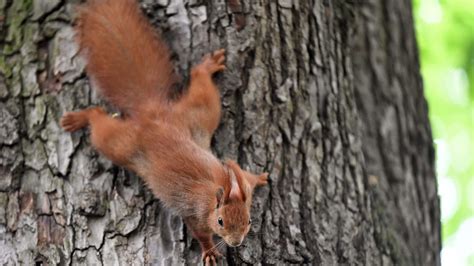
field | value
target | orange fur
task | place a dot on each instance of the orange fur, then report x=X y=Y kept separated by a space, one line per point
x=125 y=56
x=165 y=142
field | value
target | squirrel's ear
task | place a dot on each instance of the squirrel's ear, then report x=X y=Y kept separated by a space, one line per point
x=235 y=191
x=236 y=182
x=219 y=195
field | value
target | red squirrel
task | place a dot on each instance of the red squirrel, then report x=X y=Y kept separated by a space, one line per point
x=165 y=141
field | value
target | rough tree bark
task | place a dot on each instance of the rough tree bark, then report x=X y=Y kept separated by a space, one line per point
x=325 y=95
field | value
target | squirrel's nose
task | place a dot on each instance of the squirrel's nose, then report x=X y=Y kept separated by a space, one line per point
x=235 y=243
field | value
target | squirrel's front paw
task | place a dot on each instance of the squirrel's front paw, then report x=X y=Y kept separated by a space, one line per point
x=213 y=63
x=210 y=257
x=262 y=179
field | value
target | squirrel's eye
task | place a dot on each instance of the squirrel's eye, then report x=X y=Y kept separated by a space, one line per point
x=221 y=223
x=250 y=221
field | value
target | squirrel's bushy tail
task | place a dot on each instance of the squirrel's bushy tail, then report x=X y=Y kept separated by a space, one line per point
x=125 y=56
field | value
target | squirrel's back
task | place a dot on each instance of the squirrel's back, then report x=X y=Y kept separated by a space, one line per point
x=125 y=56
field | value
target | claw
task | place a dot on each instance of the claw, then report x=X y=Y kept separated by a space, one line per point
x=262 y=179
x=218 y=53
x=213 y=62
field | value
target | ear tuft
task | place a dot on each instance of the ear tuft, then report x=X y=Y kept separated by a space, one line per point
x=219 y=197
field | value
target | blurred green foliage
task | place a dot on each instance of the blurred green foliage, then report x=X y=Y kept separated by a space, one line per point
x=445 y=34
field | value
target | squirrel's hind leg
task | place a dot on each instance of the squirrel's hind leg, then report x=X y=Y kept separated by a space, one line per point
x=113 y=137
x=73 y=121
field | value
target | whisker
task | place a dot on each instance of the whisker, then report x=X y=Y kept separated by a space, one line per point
x=215 y=246
x=220 y=244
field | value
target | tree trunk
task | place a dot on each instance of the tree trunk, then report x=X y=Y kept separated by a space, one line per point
x=325 y=95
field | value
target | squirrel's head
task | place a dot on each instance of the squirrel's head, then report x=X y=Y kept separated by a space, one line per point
x=231 y=217
x=231 y=222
